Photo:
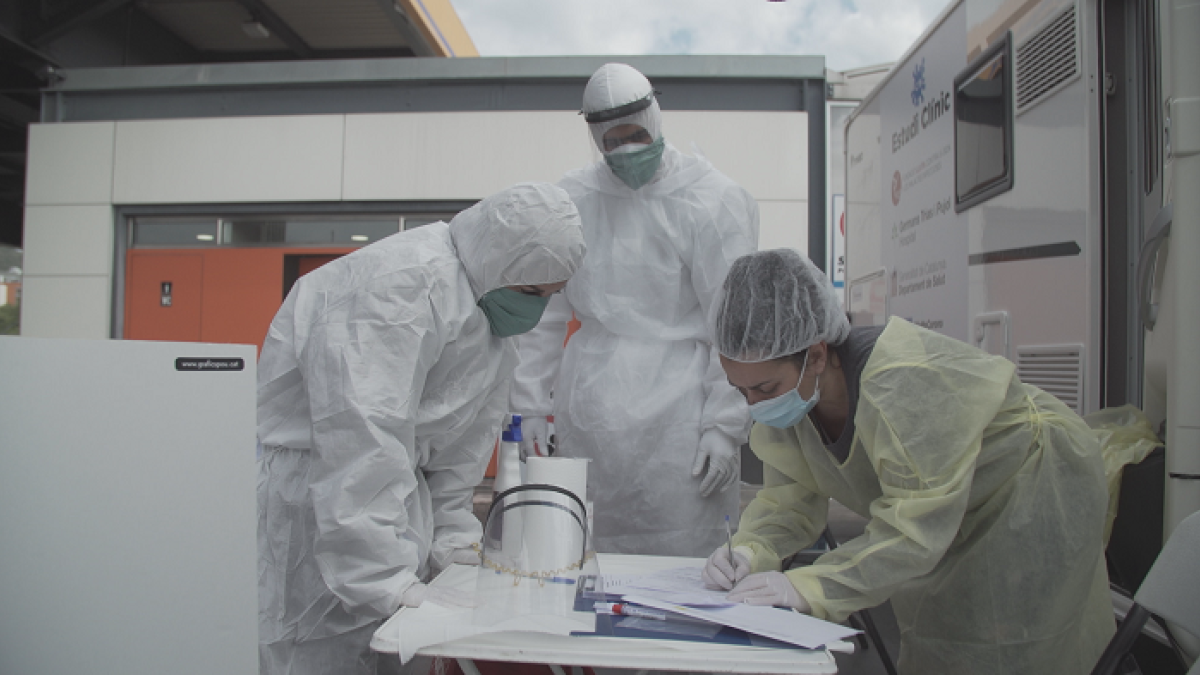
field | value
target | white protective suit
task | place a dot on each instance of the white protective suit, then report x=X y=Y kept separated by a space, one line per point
x=381 y=394
x=639 y=383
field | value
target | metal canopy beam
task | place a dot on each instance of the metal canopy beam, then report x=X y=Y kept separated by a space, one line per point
x=316 y=55
x=10 y=41
x=390 y=71
x=81 y=13
x=410 y=33
x=261 y=12
x=420 y=85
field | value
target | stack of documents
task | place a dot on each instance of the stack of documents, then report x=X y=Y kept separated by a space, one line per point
x=681 y=592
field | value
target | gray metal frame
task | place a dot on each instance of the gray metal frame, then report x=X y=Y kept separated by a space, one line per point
x=1128 y=51
x=422 y=85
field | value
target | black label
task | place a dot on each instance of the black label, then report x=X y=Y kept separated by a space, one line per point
x=206 y=363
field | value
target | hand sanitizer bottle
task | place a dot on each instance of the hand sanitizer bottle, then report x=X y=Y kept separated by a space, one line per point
x=508 y=465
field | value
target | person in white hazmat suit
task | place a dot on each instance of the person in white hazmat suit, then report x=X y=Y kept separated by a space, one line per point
x=382 y=386
x=638 y=389
x=986 y=497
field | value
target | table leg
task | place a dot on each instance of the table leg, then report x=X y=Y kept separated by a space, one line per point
x=467 y=666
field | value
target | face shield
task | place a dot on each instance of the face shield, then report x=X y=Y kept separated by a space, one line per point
x=537 y=559
x=643 y=126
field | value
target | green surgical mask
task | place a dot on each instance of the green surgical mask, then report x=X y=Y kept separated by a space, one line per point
x=510 y=312
x=636 y=167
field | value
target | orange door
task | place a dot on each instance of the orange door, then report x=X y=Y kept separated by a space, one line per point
x=163 y=297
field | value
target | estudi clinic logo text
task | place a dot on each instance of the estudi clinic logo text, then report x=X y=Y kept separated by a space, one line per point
x=926 y=115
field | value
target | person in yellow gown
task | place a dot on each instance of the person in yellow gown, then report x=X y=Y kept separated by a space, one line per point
x=985 y=497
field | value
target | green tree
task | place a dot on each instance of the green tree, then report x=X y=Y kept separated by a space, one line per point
x=10 y=319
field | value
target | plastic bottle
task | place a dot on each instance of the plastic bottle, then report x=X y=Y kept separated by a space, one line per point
x=508 y=464
x=509 y=474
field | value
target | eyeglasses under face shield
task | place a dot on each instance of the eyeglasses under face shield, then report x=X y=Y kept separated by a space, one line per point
x=603 y=121
x=639 y=137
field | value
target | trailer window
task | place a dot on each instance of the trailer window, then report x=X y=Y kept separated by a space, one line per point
x=983 y=124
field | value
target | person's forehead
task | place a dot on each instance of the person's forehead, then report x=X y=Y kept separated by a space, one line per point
x=751 y=374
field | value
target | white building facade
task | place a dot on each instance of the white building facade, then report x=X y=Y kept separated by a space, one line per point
x=354 y=139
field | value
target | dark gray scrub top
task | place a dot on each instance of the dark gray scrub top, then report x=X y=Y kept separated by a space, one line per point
x=853 y=353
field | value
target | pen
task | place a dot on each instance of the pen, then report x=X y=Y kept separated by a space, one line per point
x=729 y=539
x=629 y=610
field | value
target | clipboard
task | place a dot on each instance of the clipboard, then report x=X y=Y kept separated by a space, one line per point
x=589 y=591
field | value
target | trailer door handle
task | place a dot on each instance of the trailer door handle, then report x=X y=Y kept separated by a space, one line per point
x=982 y=321
x=1160 y=229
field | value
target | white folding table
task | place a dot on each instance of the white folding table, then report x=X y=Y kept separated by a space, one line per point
x=605 y=652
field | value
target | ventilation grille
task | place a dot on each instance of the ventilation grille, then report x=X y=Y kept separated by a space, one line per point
x=1056 y=370
x=1047 y=60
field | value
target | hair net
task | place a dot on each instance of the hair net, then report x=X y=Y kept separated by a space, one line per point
x=615 y=85
x=526 y=235
x=773 y=304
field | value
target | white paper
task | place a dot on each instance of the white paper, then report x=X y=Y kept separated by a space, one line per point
x=612 y=582
x=791 y=627
x=679 y=585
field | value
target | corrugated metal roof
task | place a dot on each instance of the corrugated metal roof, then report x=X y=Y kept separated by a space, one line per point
x=323 y=25
x=211 y=25
x=344 y=24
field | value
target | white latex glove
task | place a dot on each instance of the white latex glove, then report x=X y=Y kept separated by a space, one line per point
x=769 y=588
x=535 y=436
x=720 y=453
x=464 y=556
x=721 y=573
x=419 y=593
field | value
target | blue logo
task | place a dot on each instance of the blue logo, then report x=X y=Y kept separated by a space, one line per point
x=918 y=92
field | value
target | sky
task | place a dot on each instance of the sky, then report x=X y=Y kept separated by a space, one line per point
x=848 y=33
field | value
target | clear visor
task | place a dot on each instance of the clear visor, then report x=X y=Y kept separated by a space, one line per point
x=649 y=119
x=537 y=556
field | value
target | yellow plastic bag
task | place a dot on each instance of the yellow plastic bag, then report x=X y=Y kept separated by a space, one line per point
x=1126 y=437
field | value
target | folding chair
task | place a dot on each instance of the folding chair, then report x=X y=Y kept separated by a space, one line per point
x=1169 y=591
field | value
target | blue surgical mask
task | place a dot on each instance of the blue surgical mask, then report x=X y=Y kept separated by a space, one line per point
x=510 y=312
x=786 y=411
x=635 y=167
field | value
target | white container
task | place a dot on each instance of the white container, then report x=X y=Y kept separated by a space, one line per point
x=547 y=547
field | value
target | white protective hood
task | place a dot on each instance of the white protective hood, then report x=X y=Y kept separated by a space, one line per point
x=615 y=85
x=528 y=234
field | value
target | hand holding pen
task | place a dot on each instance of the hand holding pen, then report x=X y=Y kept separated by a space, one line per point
x=725 y=567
